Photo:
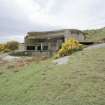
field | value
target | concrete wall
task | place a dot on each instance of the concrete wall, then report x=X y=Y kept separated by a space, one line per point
x=54 y=40
x=41 y=54
x=21 y=47
x=78 y=36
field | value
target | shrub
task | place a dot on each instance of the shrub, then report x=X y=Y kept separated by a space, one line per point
x=68 y=48
x=9 y=46
x=12 y=45
x=6 y=50
x=56 y=56
x=2 y=47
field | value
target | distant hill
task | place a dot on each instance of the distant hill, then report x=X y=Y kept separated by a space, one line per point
x=95 y=35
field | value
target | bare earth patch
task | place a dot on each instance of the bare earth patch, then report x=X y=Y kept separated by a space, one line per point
x=13 y=62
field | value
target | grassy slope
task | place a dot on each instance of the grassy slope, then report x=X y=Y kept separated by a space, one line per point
x=95 y=35
x=81 y=82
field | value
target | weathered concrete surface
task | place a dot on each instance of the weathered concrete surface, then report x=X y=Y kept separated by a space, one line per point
x=50 y=41
x=60 y=61
x=96 y=46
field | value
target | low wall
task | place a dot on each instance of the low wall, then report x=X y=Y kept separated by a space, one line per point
x=31 y=53
x=41 y=54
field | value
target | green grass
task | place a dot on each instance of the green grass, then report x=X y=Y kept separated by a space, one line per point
x=95 y=35
x=80 y=82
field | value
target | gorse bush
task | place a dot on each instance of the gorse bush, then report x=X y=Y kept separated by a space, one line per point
x=68 y=47
x=9 y=46
x=2 y=47
x=6 y=50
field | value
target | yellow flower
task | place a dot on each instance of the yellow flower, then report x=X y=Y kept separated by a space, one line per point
x=69 y=46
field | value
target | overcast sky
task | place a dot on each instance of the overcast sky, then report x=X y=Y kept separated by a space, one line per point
x=17 y=17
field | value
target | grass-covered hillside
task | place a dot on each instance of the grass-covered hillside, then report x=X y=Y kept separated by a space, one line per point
x=80 y=82
x=95 y=35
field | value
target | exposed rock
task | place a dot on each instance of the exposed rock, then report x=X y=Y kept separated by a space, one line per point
x=60 y=61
